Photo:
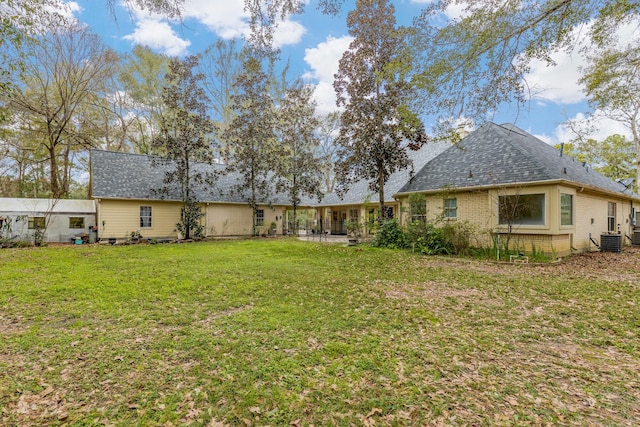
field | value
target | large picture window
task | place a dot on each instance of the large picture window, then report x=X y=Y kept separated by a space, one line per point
x=566 y=209
x=522 y=209
x=145 y=216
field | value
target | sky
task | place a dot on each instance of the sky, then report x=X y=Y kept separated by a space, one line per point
x=314 y=42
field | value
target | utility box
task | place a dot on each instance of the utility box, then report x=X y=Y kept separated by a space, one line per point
x=611 y=242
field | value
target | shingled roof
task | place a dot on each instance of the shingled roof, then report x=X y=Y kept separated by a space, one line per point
x=117 y=175
x=502 y=155
x=359 y=191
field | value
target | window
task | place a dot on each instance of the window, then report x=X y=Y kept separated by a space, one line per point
x=353 y=214
x=388 y=212
x=611 y=217
x=521 y=209
x=259 y=216
x=76 y=222
x=36 y=223
x=450 y=208
x=145 y=216
x=418 y=207
x=566 y=209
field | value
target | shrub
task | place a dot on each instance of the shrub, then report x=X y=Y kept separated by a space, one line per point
x=428 y=239
x=458 y=235
x=390 y=235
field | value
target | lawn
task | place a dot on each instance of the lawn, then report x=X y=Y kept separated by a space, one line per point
x=284 y=332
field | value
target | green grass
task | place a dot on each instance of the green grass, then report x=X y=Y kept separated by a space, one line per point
x=282 y=332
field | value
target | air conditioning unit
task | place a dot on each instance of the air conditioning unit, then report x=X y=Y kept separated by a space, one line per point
x=635 y=239
x=611 y=242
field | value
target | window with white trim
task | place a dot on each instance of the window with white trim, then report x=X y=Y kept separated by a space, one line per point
x=522 y=209
x=259 y=217
x=145 y=216
x=566 y=209
x=451 y=208
x=611 y=217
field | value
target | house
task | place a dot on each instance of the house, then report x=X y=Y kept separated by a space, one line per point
x=125 y=188
x=360 y=203
x=508 y=184
x=60 y=220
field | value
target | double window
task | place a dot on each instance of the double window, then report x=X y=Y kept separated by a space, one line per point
x=522 y=209
x=145 y=216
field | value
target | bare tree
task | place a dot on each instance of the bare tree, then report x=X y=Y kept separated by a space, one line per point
x=328 y=131
x=61 y=80
x=221 y=65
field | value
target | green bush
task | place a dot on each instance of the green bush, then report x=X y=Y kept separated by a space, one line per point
x=428 y=239
x=390 y=235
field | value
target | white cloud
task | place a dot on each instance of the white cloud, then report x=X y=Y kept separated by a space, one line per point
x=453 y=11
x=559 y=83
x=323 y=60
x=288 y=32
x=601 y=127
x=67 y=9
x=226 y=18
x=158 y=35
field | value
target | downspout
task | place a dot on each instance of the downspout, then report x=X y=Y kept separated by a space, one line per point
x=99 y=221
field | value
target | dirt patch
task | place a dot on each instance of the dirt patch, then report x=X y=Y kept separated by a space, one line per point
x=608 y=266
x=224 y=313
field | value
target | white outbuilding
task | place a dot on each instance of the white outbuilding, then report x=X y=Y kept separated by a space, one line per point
x=60 y=220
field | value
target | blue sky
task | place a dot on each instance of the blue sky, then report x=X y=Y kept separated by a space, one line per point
x=314 y=42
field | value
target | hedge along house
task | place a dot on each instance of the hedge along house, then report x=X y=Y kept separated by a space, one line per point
x=60 y=220
x=125 y=187
x=361 y=204
x=505 y=182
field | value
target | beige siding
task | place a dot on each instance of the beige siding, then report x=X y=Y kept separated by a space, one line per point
x=480 y=208
x=591 y=219
x=119 y=218
x=237 y=220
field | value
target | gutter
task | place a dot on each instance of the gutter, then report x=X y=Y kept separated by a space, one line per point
x=580 y=186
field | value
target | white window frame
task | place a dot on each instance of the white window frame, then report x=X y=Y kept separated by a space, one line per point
x=259 y=217
x=519 y=223
x=612 y=208
x=571 y=210
x=146 y=217
x=450 y=208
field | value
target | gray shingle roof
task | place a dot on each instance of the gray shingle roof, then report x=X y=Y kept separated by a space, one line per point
x=498 y=155
x=359 y=191
x=133 y=176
